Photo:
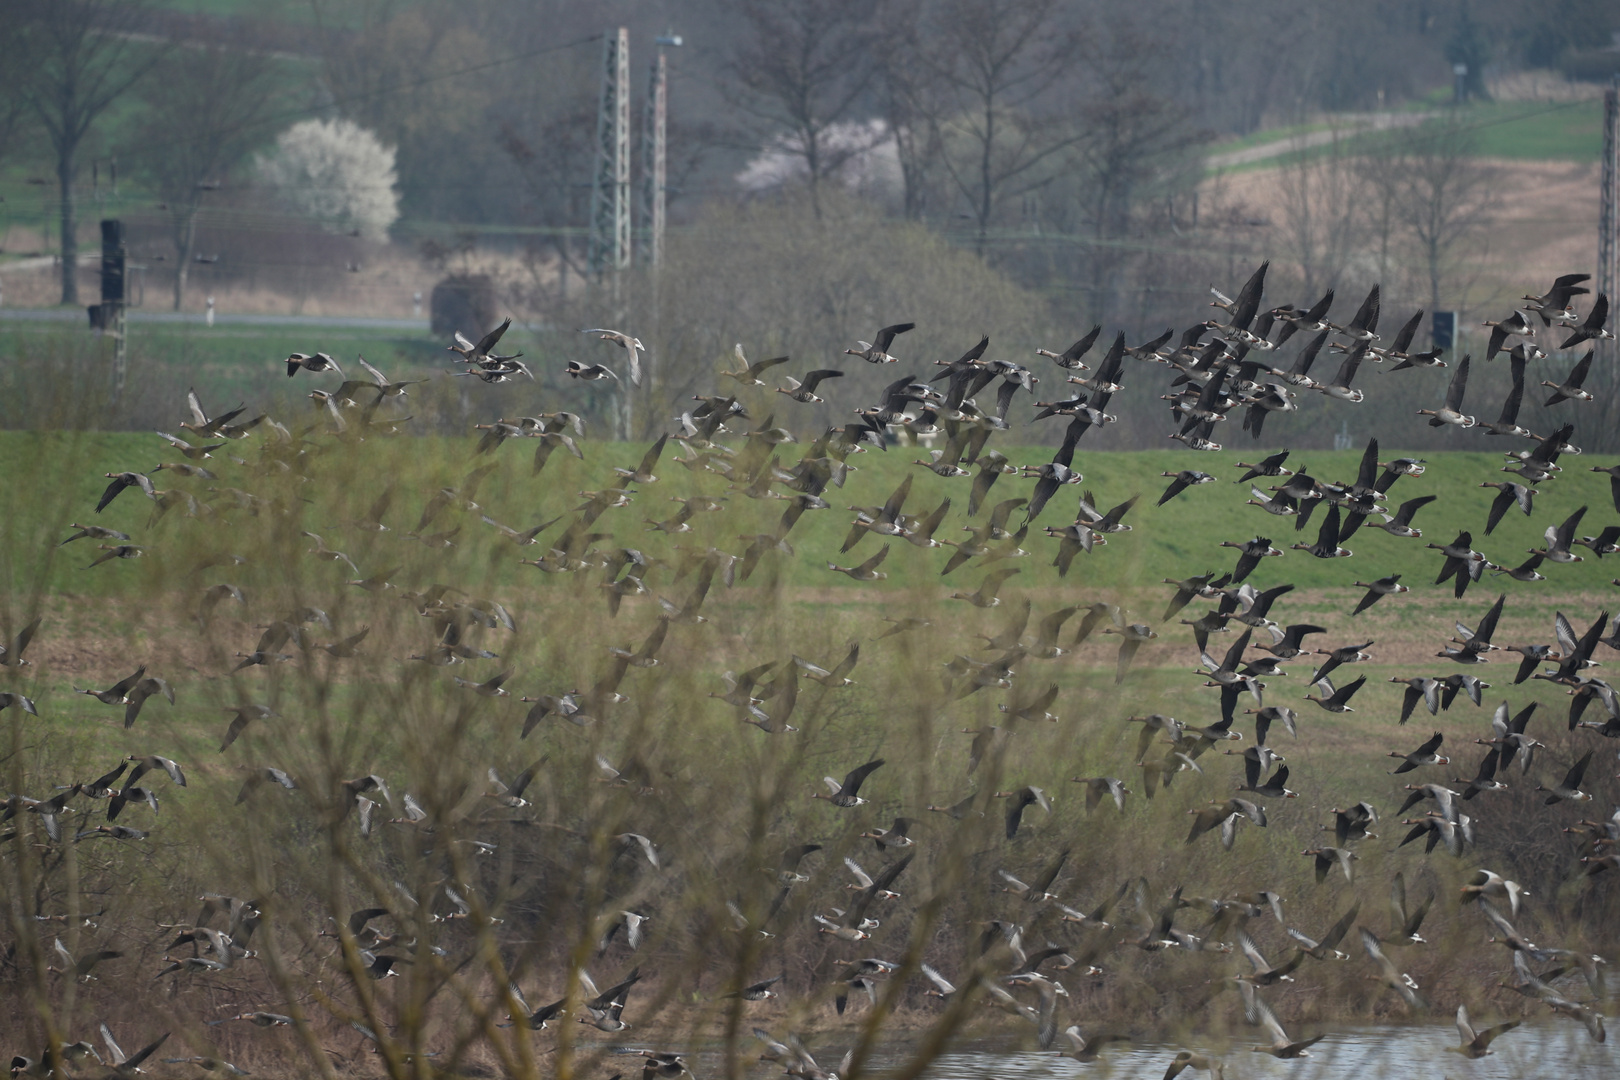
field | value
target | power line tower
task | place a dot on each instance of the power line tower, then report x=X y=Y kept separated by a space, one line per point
x=610 y=195
x=1608 y=272
x=653 y=157
x=1607 y=225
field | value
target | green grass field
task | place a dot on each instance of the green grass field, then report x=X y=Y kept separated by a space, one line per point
x=1179 y=539
x=719 y=798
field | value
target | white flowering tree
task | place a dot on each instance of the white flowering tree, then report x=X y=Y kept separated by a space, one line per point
x=336 y=172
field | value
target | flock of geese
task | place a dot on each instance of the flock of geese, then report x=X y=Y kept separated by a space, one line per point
x=1230 y=363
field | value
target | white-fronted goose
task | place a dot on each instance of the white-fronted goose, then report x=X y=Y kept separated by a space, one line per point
x=200 y=424
x=1560 y=538
x=311 y=363
x=123 y=480
x=1335 y=700
x=1397 y=980
x=1592 y=329
x=1477 y=1044
x=1426 y=754
x=1569 y=788
x=747 y=374
x=1281 y=1046
x=1515 y=325
x=1571 y=388
x=805 y=391
x=1553 y=306
x=877 y=351
x=1187 y=1059
x=475 y=353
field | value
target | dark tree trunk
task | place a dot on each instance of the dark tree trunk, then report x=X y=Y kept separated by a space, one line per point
x=65 y=168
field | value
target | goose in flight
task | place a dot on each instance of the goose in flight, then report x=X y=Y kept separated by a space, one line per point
x=478 y=353
x=747 y=374
x=312 y=363
x=877 y=350
x=631 y=345
x=846 y=794
x=1477 y=1044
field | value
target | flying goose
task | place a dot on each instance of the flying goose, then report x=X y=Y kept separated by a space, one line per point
x=1515 y=325
x=868 y=570
x=1477 y=1044
x=123 y=480
x=1069 y=359
x=1485 y=778
x=471 y=353
x=1281 y=1046
x=747 y=374
x=1340 y=386
x=1023 y=798
x=1132 y=637
x=1571 y=388
x=1039 y=889
x=1451 y=412
x=805 y=391
x=590 y=372
x=1426 y=754
x=1592 y=328
x=1098 y=786
x=1335 y=701
x=1392 y=976
x=1560 y=538
x=1569 y=788
x=846 y=794
x=200 y=423
x=1553 y=306
x=1377 y=590
x=1310 y=321
x=1321 y=950
x=312 y=363
x=126 y=1065
x=1187 y=1059
x=1360 y=328
x=877 y=351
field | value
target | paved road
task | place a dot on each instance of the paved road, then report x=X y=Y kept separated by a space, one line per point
x=1348 y=126
x=353 y=322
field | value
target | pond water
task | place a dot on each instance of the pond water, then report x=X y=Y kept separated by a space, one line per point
x=1536 y=1050
x=1550 y=1050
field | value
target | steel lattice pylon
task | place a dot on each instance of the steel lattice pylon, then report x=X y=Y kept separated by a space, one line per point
x=1607 y=225
x=610 y=195
x=653 y=165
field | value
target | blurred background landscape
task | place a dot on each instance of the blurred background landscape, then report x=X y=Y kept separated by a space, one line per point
x=832 y=166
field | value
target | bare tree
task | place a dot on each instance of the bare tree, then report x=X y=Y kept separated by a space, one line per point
x=1323 y=206
x=906 y=91
x=202 y=119
x=1133 y=147
x=554 y=167
x=1438 y=195
x=994 y=60
x=81 y=58
x=801 y=67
